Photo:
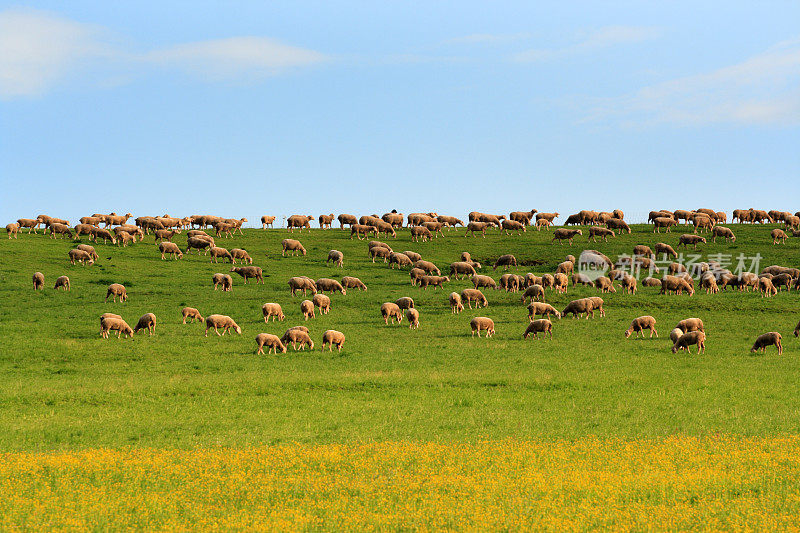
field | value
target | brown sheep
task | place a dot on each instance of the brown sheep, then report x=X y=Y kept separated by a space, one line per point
x=298 y=221
x=80 y=256
x=325 y=221
x=651 y=282
x=560 y=282
x=543 y=309
x=541 y=325
x=267 y=220
x=272 y=342
x=249 y=272
x=62 y=281
x=472 y=227
x=616 y=224
x=479 y=280
x=581 y=279
x=381 y=252
x=686 y=239
x=349 y=282
x=721 y=231
x=323 y=302
x=604 y=284
x=505 y=261
x=512 y=225
x=629 y=284
x=399 y=259
x=307 y=309
x=435 y=228
x=191 y=312
x=415 y=274
x=344 y=218
x=221 y=321
x=222 y=279
x=543 y=223
x=391 y=310
x=773 y=338
x=298 y=336
x=291 y=245
x=596 y=233
x=98 y=233
x=563 y=234
x=578 y=308
x=272 y=310
x=420 y=233
x=778 y=235
x=455 y=303
x=337 y=257
x=332 y=337
x=676 y=284
x=199 y=244
x=405 y=302
x=450 y=222
x=709 y=283
x=509 y=282
x=466 y=257
x=395 y=219
x=116 y=289
x=461 y=268
x=534 y=292
x=60 y=229
x=146 y=321
x=378 y=244
x=766 y=288
x=689 y=339
x=38 y=281
x=434 y=281
x=13 y=230
x=116 y=324
x=330 y=285
x=480 y=323
x=29 y=223
x=664 y=222
x=428 y=267
x=666 y=249
x=242 y=255
x=169 y=248
x=703 y=222
x=549 y=217
x=547 y=280
x=643 y=250
x=691 y=324
x=303 y=283
x=640 y=324
x=414 y=256
x=523 y=217
x=413 y=318
x=474 y=295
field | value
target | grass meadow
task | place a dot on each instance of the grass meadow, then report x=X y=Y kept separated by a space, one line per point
x=403 y=429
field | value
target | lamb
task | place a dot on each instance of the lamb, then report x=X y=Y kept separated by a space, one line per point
x=510 y=282
x=413 y=318
x=629 y=284
x=117 y=324
x=346 y=219
x=298 y=221
x=604 y=284
x=480 y=323
x=420 y=233
x=640 y=324
x=199 y=244
x=267 y=220
x=472 y=227
x=170 y=248
x=778 y=235
x=13 y=230
x=721 y=231
x=146 y=321
x=617 y=224
x=686 y=239
x=534 y=292
x=249 y=272
x=380 y=251
x=427 y=266
x=221 y=321
x=435 y=281
x=298 y=334
x=62 y=281
x=666 y=249
x=330 y=285
x=405 y=302
x=29 y=223
x=80 y=256
x=38 y=281
x=307 y=309
x=217 y=252
x=689 y=339
x=541 y=325
x=325 y=221
x=474 y=295
x=543 y=309
x=596 y=232
x=579 y=307
x=564 y=234
x=773 y=338
x=242 y=255
x=512 y=225
x=116 y=289
x=349 y=282
x=337 y=257
x=332 y=337
x=505 y=261
x=291 y=245
x=479 y=280
x=766 y=288
x=272 y=342
x=543 y=223
x=455 y=303
x=192 y=313
x=391 y=310
x=303 y=283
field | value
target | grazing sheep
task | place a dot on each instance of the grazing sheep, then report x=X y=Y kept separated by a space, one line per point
x=466 y=257
x=38 y=281
x=420 y=233
x=221 y=321
x=617 y=224
x=675 y=334
x=330 y=285
x=543 y=309
x=480 y=323
x=450 y=222
x=272 y=310
x=472 y=227
x=146 y=321
x=691 y=324
x=298 y=221
x=272 y=342
x=239 y=253
x=99 y=233
x=428 y=267
x=80 y=256
x=394 y=218
x=703 y=222
x=709 y=283
x=405 y=302
x=332 y=337
x=604 y=284
x=298 y=336
x=291 y=245
x=579 y=307
x=307 y=309
x=512 y=225
x=13 y=230
x=505 y=261
x=629 y=284
x=303 y=283
x=434 y=227
x=349 y=282
x=596 y=233
x=378 y=244
x=766 y=288
x=479 y=280
x=116 y=324
x=563 y=234
x=170 y=248
x=686 y=239
x=676 y=284
x=116 y=289
x=249 y=272
x=62 y=281
x=267 y=220
x=380 y=251
x=782 y=281
x=415 y=274
x=721 y=231
x=413 y=256
x=474 y=295
x=640 y=324
x=674 y=268
x=773 y=338
x=191 y=312
x=689 y=339
x=109 y=315
x=643 y=250
x=222 y=279
x=534 y=292
x=547 y=280
x=337 y=257
x=455 y=303
x=541 y=325
x=435 y=281
x=60 y=229
x=199 y=244
x=323 y=302
x=560 y=282
x=574 y=220
x=510 y=282
x=461 y=268
x=581 y=279
x=778 y=235
x=391 y=310
x=399 y=259
x=344 y=218
x=666 y=249
x=413 y=318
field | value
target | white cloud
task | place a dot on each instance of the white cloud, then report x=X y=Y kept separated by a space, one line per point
x=602 y=38
x=764 y=89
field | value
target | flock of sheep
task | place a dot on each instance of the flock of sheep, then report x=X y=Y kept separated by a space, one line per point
x=426 y=226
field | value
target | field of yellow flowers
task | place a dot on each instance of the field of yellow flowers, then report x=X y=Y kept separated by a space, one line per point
x=658 y=483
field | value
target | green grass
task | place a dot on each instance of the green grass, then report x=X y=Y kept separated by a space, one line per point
x=64 y=387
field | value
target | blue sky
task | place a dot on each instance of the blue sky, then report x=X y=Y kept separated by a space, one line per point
x=249 y=108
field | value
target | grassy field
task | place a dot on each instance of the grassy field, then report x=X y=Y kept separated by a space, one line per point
x=64 y=389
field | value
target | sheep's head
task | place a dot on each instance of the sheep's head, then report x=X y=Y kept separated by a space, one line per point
x=238 y=329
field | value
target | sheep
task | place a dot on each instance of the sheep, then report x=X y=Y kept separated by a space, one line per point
x=222 y=279
x=581 y=279
x=479 y=280
x=38 y=281
x=562 y=234
x=703 y=222
x=165 y=234
x=124 y=238
x=792 y=221
x=170 y=248
x=778 y=235
x=272 y=342
x=461 y=268
x=549 y=217
x=640 y=324
x=709 y=283
x=29 y=223
x=543 y=223
x=391 y=310
x=689 y=339
x=109 y=315
x=455 y=303
x=480 y=323
x=675 y=334
x=534 y=292
x=434 y=228
x=766 y=288
x=427 y=266
x=574 y=220
x=604 y=284
x=217 y=252
x=116 y=289
x=435 y=281
x=472 y=227
x=474 y=295
x=643 y=250
x=405 y=302
x=420 y=233
x=221 y=321
x=686 y=239
x=523 y=217
x=512 y=225
x=664 y=222
x=509 y=282
x=199 y=244
x=493 y=220
x=80 y=256
x=381 y=252
x=399 y=259
x=721 y=231
x=617 y=224
x=323 y=302
x=116 y=220
x=413 y=318
x=349 y=282
x=666 y=249
x=199 y=233
x=303 y=283
x=325 y=221
x=332 y=337
x=579 y=307
x=192 y=313
x=383 y=227
x=543 y=309
x=12 y=229
x=337 y=257
x=117 y=324
x=560 y=282
x=450 y=222
x=466 y=257
x=378 y=244
x=242 y=255
x=773 y=338
x=505 y=261
x=674 y=268
x=676 y=284
x=267 y=220
x=62 y=281
x=783 y=281
x=346 y=219
x=298 y=221
x=298 y=336
x=413 y=256
x=360 y=229
x=249 y=272
x=60 y=229
x=394 y=218
x=547 y=280
x=597 y=304
x=100 y=233
x=777 y=269
x=541 y=325
x=291 y=245
x=330 y=285
x=416 y=274
x=307 y=309
x=146 y=321
x=596 y=232
x=629 y=284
